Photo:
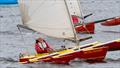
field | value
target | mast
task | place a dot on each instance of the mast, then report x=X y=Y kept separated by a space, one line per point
x=75 y=34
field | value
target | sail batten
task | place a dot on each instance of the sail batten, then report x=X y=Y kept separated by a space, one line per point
x=49 y=17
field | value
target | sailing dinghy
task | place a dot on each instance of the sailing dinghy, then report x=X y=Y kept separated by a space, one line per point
x=112 y=22
x=53 y=18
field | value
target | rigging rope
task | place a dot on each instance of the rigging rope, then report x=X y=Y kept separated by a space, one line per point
x=22 y=38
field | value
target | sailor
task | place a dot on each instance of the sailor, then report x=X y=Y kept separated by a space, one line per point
x=41 y=46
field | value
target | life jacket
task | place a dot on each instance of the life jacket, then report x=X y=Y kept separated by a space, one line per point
x=42 y=47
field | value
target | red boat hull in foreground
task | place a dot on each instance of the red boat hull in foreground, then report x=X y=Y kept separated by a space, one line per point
x=112 y=45
x=92 y=54
x=97 y=54
x=112 y=22
x=65 y=59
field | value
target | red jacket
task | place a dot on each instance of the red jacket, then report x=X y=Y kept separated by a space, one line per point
x=40 y=49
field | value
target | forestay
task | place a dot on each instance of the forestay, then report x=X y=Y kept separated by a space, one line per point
x=48 y=16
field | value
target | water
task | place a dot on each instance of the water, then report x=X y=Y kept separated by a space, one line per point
x=11 y=42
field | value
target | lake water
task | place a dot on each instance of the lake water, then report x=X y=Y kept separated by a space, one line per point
x=12 y=42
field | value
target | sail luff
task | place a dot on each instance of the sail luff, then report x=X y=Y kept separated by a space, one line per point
x=75 y=34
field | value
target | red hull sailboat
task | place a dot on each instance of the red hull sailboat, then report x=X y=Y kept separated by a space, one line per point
x=112 y=22
x=91 y=52
x=63 y=28
x=97 y=54
x=65 y=56
x=89 y=28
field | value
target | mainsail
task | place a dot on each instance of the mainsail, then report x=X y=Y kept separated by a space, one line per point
x=50 y=17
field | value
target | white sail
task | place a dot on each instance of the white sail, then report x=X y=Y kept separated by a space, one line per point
x=74 y=7
x=24 y=11
x=49 y=17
